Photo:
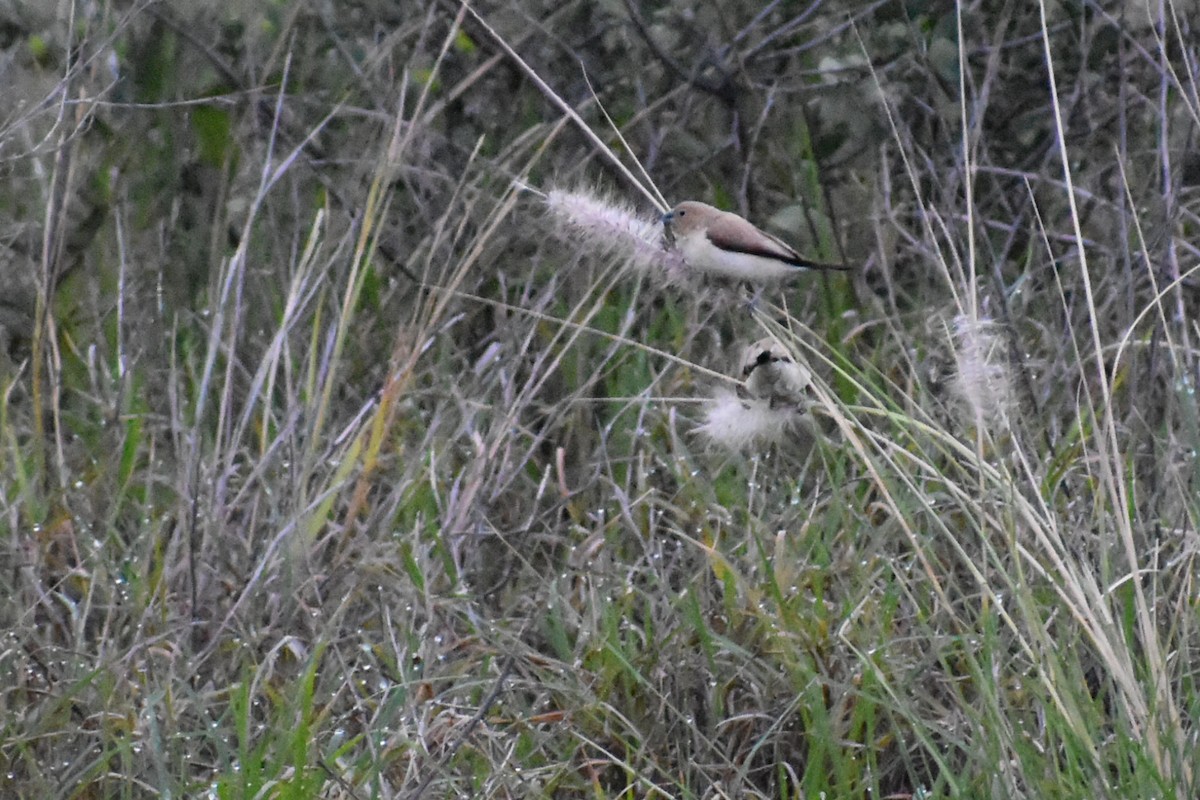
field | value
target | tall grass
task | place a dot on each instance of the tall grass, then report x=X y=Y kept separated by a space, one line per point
x=411 y=497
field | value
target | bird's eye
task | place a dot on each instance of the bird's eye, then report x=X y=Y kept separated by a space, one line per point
x=681 y=213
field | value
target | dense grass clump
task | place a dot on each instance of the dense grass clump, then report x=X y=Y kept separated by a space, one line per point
x=361 y=437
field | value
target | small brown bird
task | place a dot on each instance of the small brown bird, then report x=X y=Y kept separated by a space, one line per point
x=771 y=374
x=724 y=244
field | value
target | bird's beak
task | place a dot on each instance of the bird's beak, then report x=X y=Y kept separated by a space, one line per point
x=668 y=234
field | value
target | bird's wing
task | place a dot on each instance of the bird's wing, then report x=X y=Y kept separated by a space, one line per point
x=731 y=232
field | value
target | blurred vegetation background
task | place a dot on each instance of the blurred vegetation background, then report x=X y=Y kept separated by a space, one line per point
x=331 y=467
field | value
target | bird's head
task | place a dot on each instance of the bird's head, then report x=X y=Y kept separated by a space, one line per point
x=689 y=215
x=686 y=217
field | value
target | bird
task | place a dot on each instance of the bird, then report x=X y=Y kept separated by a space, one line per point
x=723 y=244
x=771 y=375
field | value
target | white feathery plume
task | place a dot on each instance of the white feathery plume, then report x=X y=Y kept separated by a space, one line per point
x=738 y=424
x=603 y=224
x=982 y=380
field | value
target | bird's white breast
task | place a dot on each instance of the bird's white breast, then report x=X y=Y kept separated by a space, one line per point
x=701 y=254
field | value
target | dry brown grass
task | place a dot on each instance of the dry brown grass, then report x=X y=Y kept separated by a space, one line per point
x=331 y=466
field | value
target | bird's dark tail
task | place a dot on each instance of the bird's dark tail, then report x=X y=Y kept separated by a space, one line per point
x=806 y=264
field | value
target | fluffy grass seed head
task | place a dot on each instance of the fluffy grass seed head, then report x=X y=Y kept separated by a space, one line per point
x=606 y=225
x=982 y=381
x=742 y=424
